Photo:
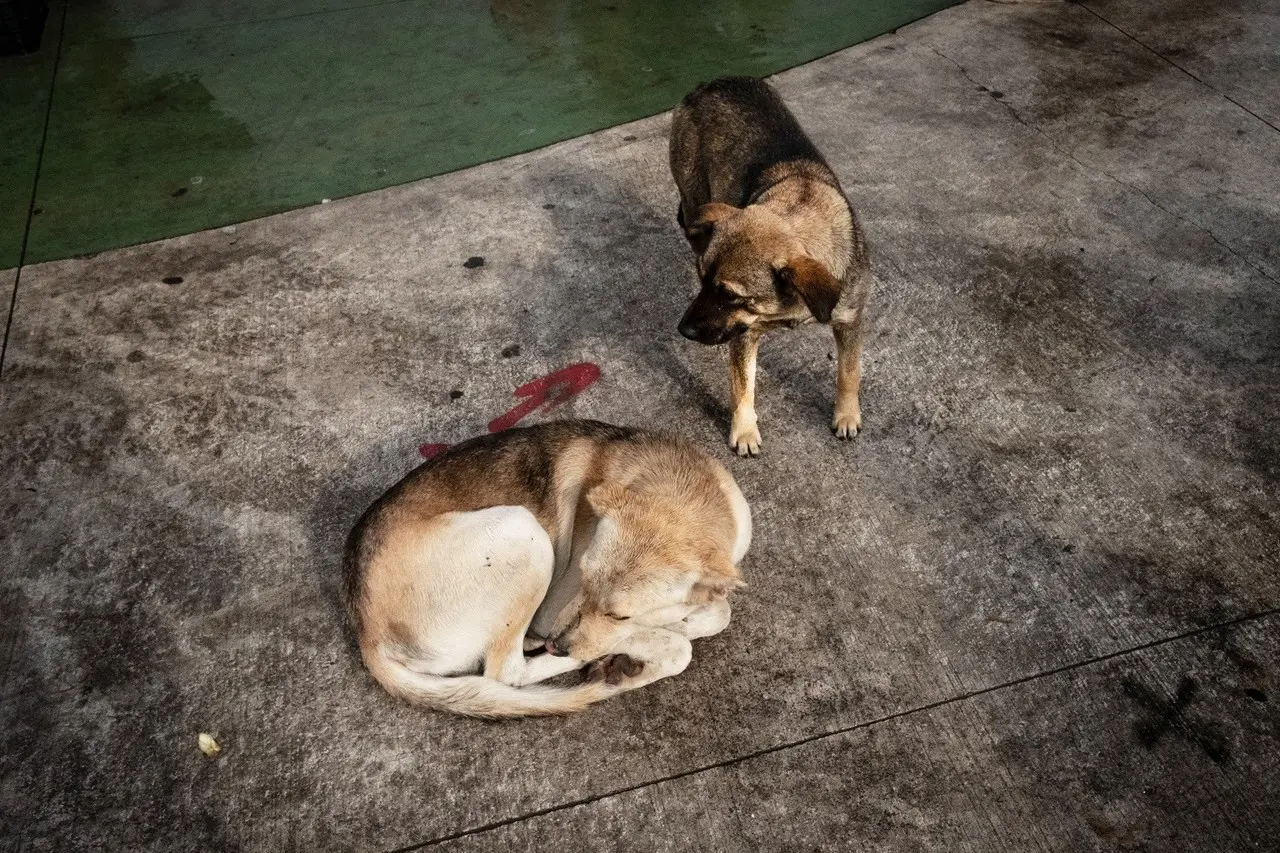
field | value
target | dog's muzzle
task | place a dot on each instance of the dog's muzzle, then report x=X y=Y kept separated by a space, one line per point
x=710 y=337
x=556 y=648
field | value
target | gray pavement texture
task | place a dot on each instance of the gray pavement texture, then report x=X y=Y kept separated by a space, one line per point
x=1032 y=607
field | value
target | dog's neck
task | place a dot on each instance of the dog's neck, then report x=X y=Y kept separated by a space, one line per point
x=819 y=216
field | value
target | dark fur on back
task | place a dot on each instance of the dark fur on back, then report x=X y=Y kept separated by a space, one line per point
x=742 y=128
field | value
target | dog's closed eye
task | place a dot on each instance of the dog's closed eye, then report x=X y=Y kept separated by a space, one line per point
x=617 y=617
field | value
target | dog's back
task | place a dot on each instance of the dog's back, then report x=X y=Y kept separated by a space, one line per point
x=726 y=135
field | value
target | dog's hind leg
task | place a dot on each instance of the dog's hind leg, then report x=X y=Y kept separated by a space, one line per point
x=500 y=561
x=518 y=560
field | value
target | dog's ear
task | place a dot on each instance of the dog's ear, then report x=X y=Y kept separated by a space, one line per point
x=819 y=289
x=700 y=230
x=606 y=498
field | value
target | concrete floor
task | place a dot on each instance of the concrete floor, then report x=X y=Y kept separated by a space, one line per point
x=1033 y=607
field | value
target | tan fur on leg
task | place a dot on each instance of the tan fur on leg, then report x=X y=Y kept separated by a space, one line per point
x=848 y=414
x=744 y=436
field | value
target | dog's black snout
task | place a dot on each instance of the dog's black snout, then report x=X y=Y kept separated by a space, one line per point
x=556 y=649
x=702 y=333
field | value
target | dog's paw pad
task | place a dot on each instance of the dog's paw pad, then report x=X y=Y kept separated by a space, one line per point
x=612 y=669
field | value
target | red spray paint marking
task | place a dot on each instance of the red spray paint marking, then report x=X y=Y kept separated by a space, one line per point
x=552 y=390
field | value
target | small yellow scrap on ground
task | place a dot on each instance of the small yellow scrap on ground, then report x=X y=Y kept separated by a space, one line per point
x=208 y=745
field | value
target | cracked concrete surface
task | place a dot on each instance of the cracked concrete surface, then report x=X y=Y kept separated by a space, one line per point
x=1032 y=607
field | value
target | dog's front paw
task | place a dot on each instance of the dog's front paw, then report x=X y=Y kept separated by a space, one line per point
x=746 y=443
x=744 y=437
x=845 y=425
x=612 y=669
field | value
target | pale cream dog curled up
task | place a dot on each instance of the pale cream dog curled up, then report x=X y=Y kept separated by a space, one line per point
x=609 y=547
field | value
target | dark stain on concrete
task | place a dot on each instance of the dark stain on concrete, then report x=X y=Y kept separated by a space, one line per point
x=117 y=672
x=1159 y=716
x=1126 y=835
x=1069 y=39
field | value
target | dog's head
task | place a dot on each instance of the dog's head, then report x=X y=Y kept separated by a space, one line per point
x=646 y=566
x=752 y=267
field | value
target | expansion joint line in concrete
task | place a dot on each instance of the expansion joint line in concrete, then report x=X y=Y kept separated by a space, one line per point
x=1155 y=52
x=919 y=709
x=35 y=184
x=1017 y=116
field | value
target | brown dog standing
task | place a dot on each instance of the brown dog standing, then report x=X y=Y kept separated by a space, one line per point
x=777 y=243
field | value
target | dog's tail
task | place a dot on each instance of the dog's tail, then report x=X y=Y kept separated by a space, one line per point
x=477 y=696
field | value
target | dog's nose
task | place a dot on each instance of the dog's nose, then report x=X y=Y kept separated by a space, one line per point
x=555 y=649
x=689 y=330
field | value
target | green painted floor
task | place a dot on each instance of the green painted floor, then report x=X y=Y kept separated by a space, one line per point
x=165 y=118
